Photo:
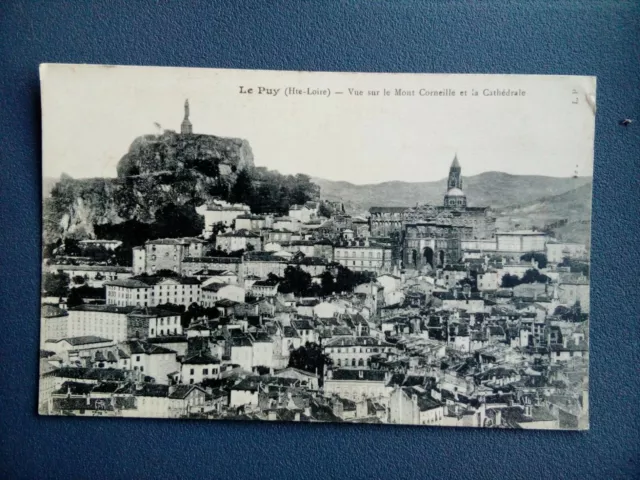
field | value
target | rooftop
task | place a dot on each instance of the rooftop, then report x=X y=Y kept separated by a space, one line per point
x=240 y=233
x=387 y=209
x=202 y=358
x=85 y=340
x=206 y=260
x=175 y=241
x=358 y=375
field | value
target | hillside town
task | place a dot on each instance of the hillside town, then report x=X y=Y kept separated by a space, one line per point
x=424 y=315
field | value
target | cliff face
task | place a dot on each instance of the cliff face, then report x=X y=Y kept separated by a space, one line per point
x=157 y=170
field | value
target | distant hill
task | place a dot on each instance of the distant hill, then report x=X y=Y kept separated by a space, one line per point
x=494 y=189
x=568 y=214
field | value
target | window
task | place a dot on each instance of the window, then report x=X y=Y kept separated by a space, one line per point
x=205 y=371
x=192 y=371
x=141 y=368
x=137 y=358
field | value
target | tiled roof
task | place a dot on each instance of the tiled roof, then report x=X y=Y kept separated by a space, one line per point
x=151 y=390
x=175 y=241
x=137 y=347
x=93 y=268
x=240 y=233
x=202 y=358
x=205 y=260
x=242 y=341
x=301 y=325
x=289 y=332
x=152 y=312
x=182 y=391
x=262 y=257
x=101 y=308
x=52 y=311
x=212 y=273
x=358 y=375
x=128 y=283
x=357 y=342
x=103 y=374
x=85 y=340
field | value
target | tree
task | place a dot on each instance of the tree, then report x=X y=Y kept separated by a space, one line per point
x=295 y=281
x=309 y=358
x=347 y=280
x=55 y=284
x=539 y=258
x=85 y=291
x=74 y=299
x=177 y=221
x=534 y=276
x=123 y=256
x=71 y=247
x=211 y=312
x=327 y=283
x=575 y=266
x=325 y=210
x=509 y=281
x=242 y=189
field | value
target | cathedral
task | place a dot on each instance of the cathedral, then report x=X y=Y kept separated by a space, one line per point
x=431 y=235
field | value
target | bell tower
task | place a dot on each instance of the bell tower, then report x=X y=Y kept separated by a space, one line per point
x=186 y=127
x=455 y=197
x=455 y=174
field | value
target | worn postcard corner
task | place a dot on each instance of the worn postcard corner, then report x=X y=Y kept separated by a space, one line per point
x=316 y=247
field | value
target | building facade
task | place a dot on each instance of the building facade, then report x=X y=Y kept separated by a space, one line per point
x=363 y=255
x=167 y=254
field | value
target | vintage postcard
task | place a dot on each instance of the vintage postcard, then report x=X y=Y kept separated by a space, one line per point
x=316 y=247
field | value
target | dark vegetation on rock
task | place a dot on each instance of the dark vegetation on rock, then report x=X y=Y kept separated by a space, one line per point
x=161 y=180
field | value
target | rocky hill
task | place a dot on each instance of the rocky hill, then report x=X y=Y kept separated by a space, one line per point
x=490 y=188
x=156 y=171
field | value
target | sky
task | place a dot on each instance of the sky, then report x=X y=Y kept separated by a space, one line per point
x=91 y=114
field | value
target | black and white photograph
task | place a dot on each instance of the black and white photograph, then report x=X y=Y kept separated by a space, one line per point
x=381 y=248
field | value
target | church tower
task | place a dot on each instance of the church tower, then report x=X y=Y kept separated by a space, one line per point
x=455 y=174
x=455 y=197
x=186 y=126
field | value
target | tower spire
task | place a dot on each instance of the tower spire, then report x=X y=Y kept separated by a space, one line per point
x=186 y=126
x=455 y=163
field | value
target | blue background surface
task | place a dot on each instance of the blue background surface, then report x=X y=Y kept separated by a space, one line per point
x=600 y=39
